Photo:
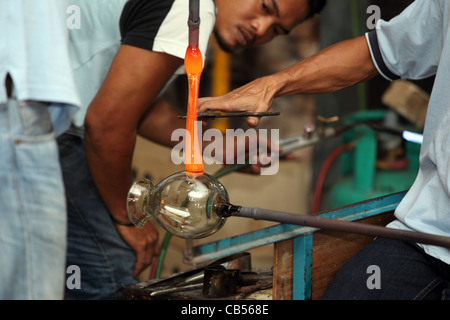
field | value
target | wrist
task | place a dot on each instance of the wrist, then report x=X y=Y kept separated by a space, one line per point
x=280 y=82
x=121 y=222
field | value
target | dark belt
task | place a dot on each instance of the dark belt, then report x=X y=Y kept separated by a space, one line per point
x=8 y=85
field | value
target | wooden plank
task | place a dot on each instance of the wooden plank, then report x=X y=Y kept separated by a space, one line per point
x=331 y=250
x=282 y=270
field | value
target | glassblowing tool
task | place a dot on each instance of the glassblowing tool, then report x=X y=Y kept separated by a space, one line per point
x=227 y=210
x=238 y=114
x=196 y=208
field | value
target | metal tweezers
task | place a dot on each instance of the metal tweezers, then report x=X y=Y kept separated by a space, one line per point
x=214 y=114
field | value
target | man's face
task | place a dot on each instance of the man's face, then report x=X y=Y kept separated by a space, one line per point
x=245 y=23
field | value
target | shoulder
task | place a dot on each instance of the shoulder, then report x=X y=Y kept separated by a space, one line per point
x=145 y=12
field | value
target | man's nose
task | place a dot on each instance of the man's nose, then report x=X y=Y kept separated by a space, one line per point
x=261 y=25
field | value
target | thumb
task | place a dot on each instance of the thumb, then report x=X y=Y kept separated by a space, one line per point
x=253 y=121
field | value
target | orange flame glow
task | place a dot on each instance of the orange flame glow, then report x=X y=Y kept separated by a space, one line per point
x=193 y=64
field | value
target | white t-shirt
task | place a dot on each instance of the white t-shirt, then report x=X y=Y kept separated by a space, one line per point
x=34 y=52
x=94 y=45
x=416 y=45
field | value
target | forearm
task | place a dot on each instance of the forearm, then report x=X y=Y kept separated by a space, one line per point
x=337 y=67
x=160 y=122
x=109 y=159
x=332 y=69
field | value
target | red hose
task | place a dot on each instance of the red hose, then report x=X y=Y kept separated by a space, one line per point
x=153 y=269
x=323 y=173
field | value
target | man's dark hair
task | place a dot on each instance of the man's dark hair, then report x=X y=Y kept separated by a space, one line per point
x=316 y=6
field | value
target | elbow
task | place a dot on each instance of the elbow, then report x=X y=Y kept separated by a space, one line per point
x=93 y=124
x=98 y=125
x=101 y=117
x=108 y=127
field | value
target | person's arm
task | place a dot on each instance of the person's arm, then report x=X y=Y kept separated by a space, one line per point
x=134 y=80
x=159 y=122
x=335 y=68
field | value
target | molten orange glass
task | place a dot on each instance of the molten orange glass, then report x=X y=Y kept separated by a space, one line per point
x=193 y=64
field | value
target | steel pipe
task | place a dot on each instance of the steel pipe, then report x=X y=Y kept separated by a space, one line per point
x=194 y=23
x=228 y=210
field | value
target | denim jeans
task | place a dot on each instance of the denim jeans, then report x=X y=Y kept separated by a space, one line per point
x=32 y=204
x=106 y=263
x=404 y=271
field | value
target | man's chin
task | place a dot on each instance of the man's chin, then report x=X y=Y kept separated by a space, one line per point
x=223 y=44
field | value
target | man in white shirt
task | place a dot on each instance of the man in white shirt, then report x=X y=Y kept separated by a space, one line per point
x=37 y=100
x=413 y=45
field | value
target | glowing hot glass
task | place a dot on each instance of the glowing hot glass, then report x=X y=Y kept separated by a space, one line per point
x=193 y=65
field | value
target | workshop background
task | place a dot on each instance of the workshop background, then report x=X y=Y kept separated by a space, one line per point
x=348 y=178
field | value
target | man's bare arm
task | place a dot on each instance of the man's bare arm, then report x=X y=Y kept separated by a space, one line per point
x=335 y=68
x=134 y=80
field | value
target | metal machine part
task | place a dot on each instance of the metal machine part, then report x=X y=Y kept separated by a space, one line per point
x=221 y=278
x=220 y=282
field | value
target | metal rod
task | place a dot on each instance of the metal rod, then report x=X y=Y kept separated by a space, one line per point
x=194 y=23
x=227 y=210
x=194 y=11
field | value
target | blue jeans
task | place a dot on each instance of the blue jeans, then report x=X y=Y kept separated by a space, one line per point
x=404 y=272
x=105 y=261
x=32 y=204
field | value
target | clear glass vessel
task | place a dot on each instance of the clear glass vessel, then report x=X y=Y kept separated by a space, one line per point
x=183 y=205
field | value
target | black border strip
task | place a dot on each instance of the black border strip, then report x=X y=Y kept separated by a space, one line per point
x=373 y=39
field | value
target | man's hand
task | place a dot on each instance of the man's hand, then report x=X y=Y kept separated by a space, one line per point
x=144 y=242
x=256 y=96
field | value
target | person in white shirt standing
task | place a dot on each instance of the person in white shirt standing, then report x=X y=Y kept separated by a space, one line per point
x=38 y=97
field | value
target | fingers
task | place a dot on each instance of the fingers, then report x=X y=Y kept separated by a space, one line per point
x=144 y=242
x=144 y=259
x=213 y=103
x=141 y=264
x=149 y=251
x=253 y=121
